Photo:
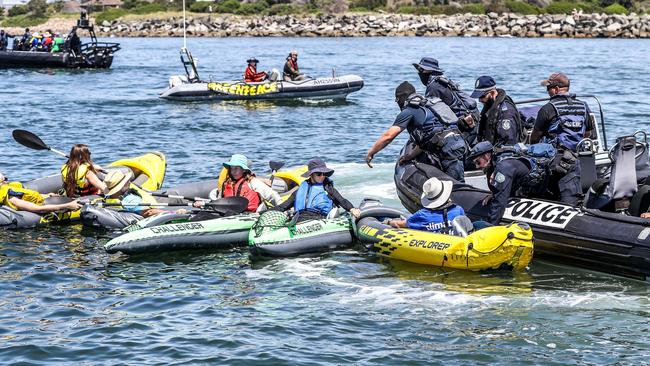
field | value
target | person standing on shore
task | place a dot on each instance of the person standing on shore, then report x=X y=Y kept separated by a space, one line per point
x=439 y=86
x=564 y=121
x=291 y=70
x=500 y=123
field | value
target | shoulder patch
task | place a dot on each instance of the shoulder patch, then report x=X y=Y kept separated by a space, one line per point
x=499 y=177
x=504 y=107
x=505 y=124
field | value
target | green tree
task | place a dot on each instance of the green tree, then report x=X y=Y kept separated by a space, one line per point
x=37 y=7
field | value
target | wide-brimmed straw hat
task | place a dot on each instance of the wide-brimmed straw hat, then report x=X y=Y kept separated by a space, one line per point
x=435 y=193
x=116 y=180
x=317 y=165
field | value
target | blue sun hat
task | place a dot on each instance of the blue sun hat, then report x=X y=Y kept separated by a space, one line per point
x=428 y=64
x=237 y=160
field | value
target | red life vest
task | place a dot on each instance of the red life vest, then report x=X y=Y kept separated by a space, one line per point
x=241 y=188
x=252 y=76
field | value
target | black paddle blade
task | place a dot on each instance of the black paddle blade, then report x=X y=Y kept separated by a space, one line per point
x=29 y=140
x=275 y=165
x=229 y=205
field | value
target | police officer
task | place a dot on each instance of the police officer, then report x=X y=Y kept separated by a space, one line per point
x=500 y=123
x=505 y=177
x=432 y=128
x=564 y=121
x=439 y=86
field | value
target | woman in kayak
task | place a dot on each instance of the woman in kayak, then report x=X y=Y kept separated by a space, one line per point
x=80 y=174
x=15 y=196
x=316 y=196
x=242 y=182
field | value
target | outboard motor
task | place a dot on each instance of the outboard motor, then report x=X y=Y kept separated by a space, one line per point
x=274 y=75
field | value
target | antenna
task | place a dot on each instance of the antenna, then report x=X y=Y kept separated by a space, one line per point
x=184 y=30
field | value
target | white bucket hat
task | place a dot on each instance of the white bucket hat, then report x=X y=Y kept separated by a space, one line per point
x=435 y=193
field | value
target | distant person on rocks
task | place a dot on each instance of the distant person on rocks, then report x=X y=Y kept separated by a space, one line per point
x=500 y=123
x=251 y=75
x=291 y=70
x=438 y=85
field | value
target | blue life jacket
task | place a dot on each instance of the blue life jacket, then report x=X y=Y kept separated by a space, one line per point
x=313 y=197
x=434 y=220
x=570 y=125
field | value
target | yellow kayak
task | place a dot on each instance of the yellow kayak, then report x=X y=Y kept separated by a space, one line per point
x=495 y=247
x=148 y=171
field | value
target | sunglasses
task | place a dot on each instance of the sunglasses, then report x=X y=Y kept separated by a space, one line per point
x=318 y=174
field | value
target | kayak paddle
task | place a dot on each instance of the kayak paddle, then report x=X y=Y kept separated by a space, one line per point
x=32 y=141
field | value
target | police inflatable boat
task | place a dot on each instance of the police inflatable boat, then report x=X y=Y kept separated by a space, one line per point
x=73 y=53
x=577 y=236
x=148 y=172
x=191 y=88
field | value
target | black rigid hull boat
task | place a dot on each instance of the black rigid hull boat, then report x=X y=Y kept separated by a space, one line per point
x=583 y=237
x=191 y=88
x=74 y=54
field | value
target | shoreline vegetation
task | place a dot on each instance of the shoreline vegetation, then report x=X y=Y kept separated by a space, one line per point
x=343 y=18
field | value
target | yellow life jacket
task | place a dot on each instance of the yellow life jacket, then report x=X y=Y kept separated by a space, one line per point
x=28 y=194
x=82 y=186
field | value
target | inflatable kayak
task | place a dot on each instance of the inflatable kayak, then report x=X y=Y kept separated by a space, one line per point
x=587 y=238
x=274 y=235
x=148 y=171
x=497 y=247
x=191 y=88
x=171 y=231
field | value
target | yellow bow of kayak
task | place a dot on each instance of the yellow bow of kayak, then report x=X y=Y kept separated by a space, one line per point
x=490 y=248
x=153 y=165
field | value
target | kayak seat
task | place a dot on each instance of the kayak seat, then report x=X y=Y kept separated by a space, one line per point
x=640 y=202
x=461 y=226
x=140 y=179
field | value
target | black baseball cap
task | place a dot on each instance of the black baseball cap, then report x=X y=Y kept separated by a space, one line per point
x=483 y=85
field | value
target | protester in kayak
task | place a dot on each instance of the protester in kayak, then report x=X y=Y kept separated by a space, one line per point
x=316 y=196
x=242 y=182
x=80 y=174
x=439 y=86
x=500 y=123
x=564 y=121
x=132 y=199
x=15 y=196
x=432 y=127
x=510 y=174
x=291 y=70
x=438 y=210
x=251 y=75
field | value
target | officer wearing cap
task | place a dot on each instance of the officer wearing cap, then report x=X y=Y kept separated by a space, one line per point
x=439 y=86
x=427 y=129
x=505 y=177
x=500 y=123
x=564 y=121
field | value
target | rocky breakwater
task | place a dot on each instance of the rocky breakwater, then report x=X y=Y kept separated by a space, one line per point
x=576 y=25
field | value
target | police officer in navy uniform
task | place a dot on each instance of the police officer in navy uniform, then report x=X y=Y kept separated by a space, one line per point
x=506 y=177
x=564 y=121
x=425 y=127
x=500 y=123
x=439 y=86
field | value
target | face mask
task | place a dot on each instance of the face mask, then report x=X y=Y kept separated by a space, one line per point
x=424 y=78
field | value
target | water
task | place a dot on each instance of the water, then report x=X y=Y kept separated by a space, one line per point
x=64 y=300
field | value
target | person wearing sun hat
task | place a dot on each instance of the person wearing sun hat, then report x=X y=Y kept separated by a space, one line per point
x=251 y=75
x=242 y=182
x=316 y=196
x=133 y=199
x=438 y=210
x=500 y=121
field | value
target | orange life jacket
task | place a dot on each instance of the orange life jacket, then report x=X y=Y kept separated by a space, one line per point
x=241 y=188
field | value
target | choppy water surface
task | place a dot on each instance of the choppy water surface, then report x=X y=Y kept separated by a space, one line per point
x=63 y=299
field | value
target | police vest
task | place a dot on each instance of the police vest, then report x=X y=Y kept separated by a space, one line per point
x=462 y=104
x=241 y=188
x=538 y=157
x=438 y=117
x=314 y=198
x=82 y=186
x=570 y=125
x=27 y=194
